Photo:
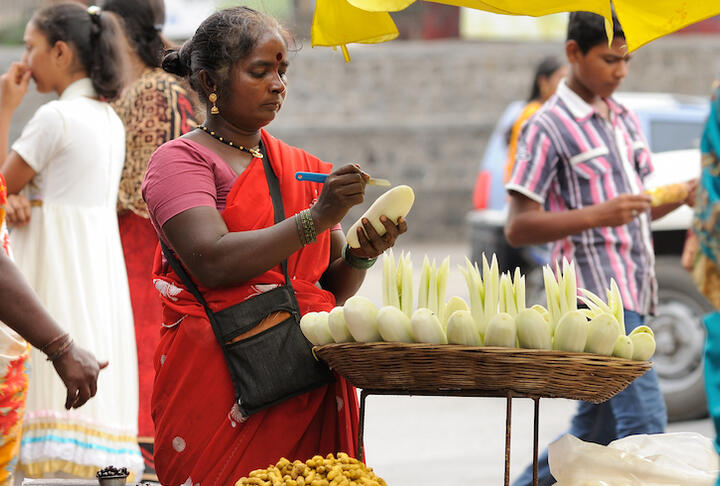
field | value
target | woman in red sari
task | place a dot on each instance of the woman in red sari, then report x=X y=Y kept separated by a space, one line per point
x=210 y=202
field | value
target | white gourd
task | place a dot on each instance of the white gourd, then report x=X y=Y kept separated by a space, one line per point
x=393 y=204
x=361 y=319
x=394 y=325
x=461 y=329
x=338 y=327
x=314 y=326
x=426 y=327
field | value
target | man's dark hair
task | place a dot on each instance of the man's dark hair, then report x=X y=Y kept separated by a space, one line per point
x=588 y=30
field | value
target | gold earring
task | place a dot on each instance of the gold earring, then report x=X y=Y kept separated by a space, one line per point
x=213 y=98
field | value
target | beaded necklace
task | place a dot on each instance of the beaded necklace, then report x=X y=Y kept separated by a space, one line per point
x=255 y=152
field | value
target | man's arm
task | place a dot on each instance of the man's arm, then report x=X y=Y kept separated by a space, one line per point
x=529 y=224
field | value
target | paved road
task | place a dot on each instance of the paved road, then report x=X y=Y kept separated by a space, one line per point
x=439 y=441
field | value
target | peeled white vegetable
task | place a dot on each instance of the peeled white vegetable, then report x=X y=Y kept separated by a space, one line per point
x=623 y=347
x=501 y=331
x=455 y=304
x=533 y=330
x=571 y=332
x=314 y=326
x=643 y=341
x=543 y=312
x=426 y=327
x=461 y=329
x=603 y=331
x=338 y=328
x=394 y=325
x=361 y=319
x=393 y=204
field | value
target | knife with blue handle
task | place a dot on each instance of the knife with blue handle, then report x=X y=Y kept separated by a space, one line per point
x=319 y=177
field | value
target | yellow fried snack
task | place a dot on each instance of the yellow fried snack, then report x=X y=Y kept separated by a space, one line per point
x=668 y=194
x=318 y=471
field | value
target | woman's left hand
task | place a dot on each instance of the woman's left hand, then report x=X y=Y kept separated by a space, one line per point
x=13 y=86
x=373 y=245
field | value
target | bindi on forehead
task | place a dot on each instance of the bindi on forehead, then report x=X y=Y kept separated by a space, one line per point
x=279 y=56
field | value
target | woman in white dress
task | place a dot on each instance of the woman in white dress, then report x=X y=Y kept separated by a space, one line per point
x=63 y=172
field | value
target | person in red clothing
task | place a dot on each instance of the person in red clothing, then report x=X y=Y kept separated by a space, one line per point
x=226 y=205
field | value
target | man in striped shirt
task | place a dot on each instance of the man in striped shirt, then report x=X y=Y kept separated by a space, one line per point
x=578 y=183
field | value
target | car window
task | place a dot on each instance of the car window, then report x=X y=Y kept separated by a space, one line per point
x=674 y=135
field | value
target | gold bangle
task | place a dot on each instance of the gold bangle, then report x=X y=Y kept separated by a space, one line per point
x=53 y=341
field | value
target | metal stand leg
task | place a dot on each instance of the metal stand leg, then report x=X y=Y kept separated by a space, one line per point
x=508 y=420
x=535 y=440
x=361 y=427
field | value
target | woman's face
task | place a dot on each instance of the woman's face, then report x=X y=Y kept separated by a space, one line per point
x=39 y=58
x=257 y=84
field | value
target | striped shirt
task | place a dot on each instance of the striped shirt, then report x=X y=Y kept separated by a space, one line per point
x=570 y=157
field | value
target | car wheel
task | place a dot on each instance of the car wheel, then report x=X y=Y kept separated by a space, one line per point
x=680 y=338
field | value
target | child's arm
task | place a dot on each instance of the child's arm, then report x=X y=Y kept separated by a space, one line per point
x=529 y=224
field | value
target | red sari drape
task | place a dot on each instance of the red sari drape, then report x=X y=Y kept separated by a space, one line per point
x=200 y=436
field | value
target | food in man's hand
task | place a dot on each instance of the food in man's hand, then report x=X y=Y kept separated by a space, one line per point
x=326 y=471
x=668 y=194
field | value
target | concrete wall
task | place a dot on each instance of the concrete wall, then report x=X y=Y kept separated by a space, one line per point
x=420 y=113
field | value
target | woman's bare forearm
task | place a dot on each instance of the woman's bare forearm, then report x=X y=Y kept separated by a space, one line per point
x=21 y=309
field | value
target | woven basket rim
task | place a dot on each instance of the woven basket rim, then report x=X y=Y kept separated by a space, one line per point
x=432 y=369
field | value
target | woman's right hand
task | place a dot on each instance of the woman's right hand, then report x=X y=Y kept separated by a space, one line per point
x=13 y=86
x=343 y=189
x=78 y=369
x=17 y=210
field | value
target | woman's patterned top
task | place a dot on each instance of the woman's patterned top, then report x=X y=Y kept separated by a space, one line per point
x=156 y=108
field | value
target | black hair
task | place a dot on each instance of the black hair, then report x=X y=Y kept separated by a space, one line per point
x=224 y=38
x=545 y=69
x=94 y=35
x=142 y=21
x=588 y=29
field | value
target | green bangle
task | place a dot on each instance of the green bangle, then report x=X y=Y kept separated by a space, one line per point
x=355 y=261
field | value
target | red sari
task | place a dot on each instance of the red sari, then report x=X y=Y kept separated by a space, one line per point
x=200 y=435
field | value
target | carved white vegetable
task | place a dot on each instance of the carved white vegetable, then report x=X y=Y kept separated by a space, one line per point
x=394 y=325
x=501 y=331
x=338 y=327
x=461 y=329
x=361 y=319
x=643 y=341
x=623 y=347
x=426 y=327
x=571 y=332
x=533 y=330
x=314 y=326
x=393 y=204
x=603 y=331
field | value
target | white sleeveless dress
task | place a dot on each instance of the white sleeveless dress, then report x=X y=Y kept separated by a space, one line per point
x=71 y=254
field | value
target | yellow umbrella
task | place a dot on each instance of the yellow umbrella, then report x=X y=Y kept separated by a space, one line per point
x=337 y=23
x=642 y=20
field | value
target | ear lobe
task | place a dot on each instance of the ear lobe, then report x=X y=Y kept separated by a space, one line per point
x=206 y=82
x=572 y=51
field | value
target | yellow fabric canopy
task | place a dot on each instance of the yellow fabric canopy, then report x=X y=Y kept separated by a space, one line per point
x=341 y=22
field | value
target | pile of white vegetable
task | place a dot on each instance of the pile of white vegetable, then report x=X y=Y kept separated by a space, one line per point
x=497 y=315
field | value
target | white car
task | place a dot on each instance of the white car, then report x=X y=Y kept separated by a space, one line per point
x=673 y=125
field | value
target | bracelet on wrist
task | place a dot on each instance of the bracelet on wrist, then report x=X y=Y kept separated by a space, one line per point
x=54 y=340
x=305 y=227
x=356 y=262
x=62 y=350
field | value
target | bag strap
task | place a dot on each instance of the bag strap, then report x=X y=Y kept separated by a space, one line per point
x=279 y=210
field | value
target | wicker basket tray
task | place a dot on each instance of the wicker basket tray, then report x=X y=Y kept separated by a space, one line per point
x=432 y=369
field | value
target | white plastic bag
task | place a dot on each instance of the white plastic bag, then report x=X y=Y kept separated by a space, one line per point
x=683 y=458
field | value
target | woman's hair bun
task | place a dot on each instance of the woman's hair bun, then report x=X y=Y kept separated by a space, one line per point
x=174 y=63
